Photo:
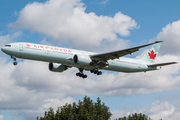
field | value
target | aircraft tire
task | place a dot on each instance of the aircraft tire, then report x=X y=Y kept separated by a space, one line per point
x=15 y=63
x=99 y=73
x=84 y=76
x=95 y=71
x=80 y=75
x=77 y=74
x=92 y=71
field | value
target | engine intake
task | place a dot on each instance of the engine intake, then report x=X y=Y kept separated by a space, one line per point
x=82 y=59
x=54 y=67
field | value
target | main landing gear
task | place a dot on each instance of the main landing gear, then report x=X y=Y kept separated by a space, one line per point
x=81 y=74
x=96 y=71
x=15 y=62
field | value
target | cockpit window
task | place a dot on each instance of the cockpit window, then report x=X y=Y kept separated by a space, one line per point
x=7 y=45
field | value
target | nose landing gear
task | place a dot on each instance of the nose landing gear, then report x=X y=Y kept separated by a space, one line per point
x=15 y=62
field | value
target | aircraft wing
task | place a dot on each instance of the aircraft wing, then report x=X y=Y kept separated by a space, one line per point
x=120 y=53
x=161 y=64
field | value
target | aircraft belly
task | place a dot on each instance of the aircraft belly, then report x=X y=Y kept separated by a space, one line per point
x=120 y=67
x=124 y=66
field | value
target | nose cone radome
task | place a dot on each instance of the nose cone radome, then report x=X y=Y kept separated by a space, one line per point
x=2 y=49
x=5 y=50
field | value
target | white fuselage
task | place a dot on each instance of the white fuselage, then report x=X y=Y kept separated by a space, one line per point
x=65 y=56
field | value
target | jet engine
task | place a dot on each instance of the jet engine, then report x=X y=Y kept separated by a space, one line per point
x=82 y=59
x=54 y=67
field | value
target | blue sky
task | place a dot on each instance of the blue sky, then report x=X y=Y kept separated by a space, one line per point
x=124 y=93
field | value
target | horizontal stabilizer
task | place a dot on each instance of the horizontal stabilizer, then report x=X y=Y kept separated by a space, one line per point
x=161 y=64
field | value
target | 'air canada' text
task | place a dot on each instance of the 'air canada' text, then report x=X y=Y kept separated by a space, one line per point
x=48 y=48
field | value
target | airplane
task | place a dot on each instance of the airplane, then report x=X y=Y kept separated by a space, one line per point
x=60 y=59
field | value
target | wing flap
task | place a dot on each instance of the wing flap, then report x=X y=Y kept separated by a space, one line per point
x=161 y=64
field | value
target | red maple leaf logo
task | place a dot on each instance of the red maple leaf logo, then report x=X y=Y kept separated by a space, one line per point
x=152 y=55
x=28 y=45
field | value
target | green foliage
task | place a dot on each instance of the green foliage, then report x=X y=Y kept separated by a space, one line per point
x=84 y=110
x=135 y=117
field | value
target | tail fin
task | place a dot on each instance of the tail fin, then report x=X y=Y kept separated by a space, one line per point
x=151 y=55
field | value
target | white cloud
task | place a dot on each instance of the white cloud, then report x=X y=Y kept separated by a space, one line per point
x=47 y=103
x=30 y=85
x=163 y=110
x=109 y=46
x=171 y=37
x=104 y=2
x=1 y=117
x=25 y=76
x=66 y=22
x=55 y=103
x=8 y=38
x=120 y=113
x=18 y=93
x=157 y=110
x=107 y=85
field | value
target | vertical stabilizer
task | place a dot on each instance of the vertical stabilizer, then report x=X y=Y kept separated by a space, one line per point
x=151 y=55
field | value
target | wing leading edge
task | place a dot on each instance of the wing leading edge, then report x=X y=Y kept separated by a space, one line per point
x=119 y=53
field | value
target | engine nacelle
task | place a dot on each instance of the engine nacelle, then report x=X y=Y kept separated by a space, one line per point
x=54 y=67
x=82 y=59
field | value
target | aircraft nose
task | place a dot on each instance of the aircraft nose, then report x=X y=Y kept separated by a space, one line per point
x=5 y=50
x=2 y=49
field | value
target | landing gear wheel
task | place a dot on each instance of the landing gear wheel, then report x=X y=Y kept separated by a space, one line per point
x=15 y=63
x=84 y=76
x=92 y=71
x=80 y=74
x=99 y=73
x=96 y=71
x=77 y=74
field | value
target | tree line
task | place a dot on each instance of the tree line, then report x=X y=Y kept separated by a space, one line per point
x=86 y=110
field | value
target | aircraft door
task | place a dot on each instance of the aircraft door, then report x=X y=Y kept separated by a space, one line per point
x=21 y=47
